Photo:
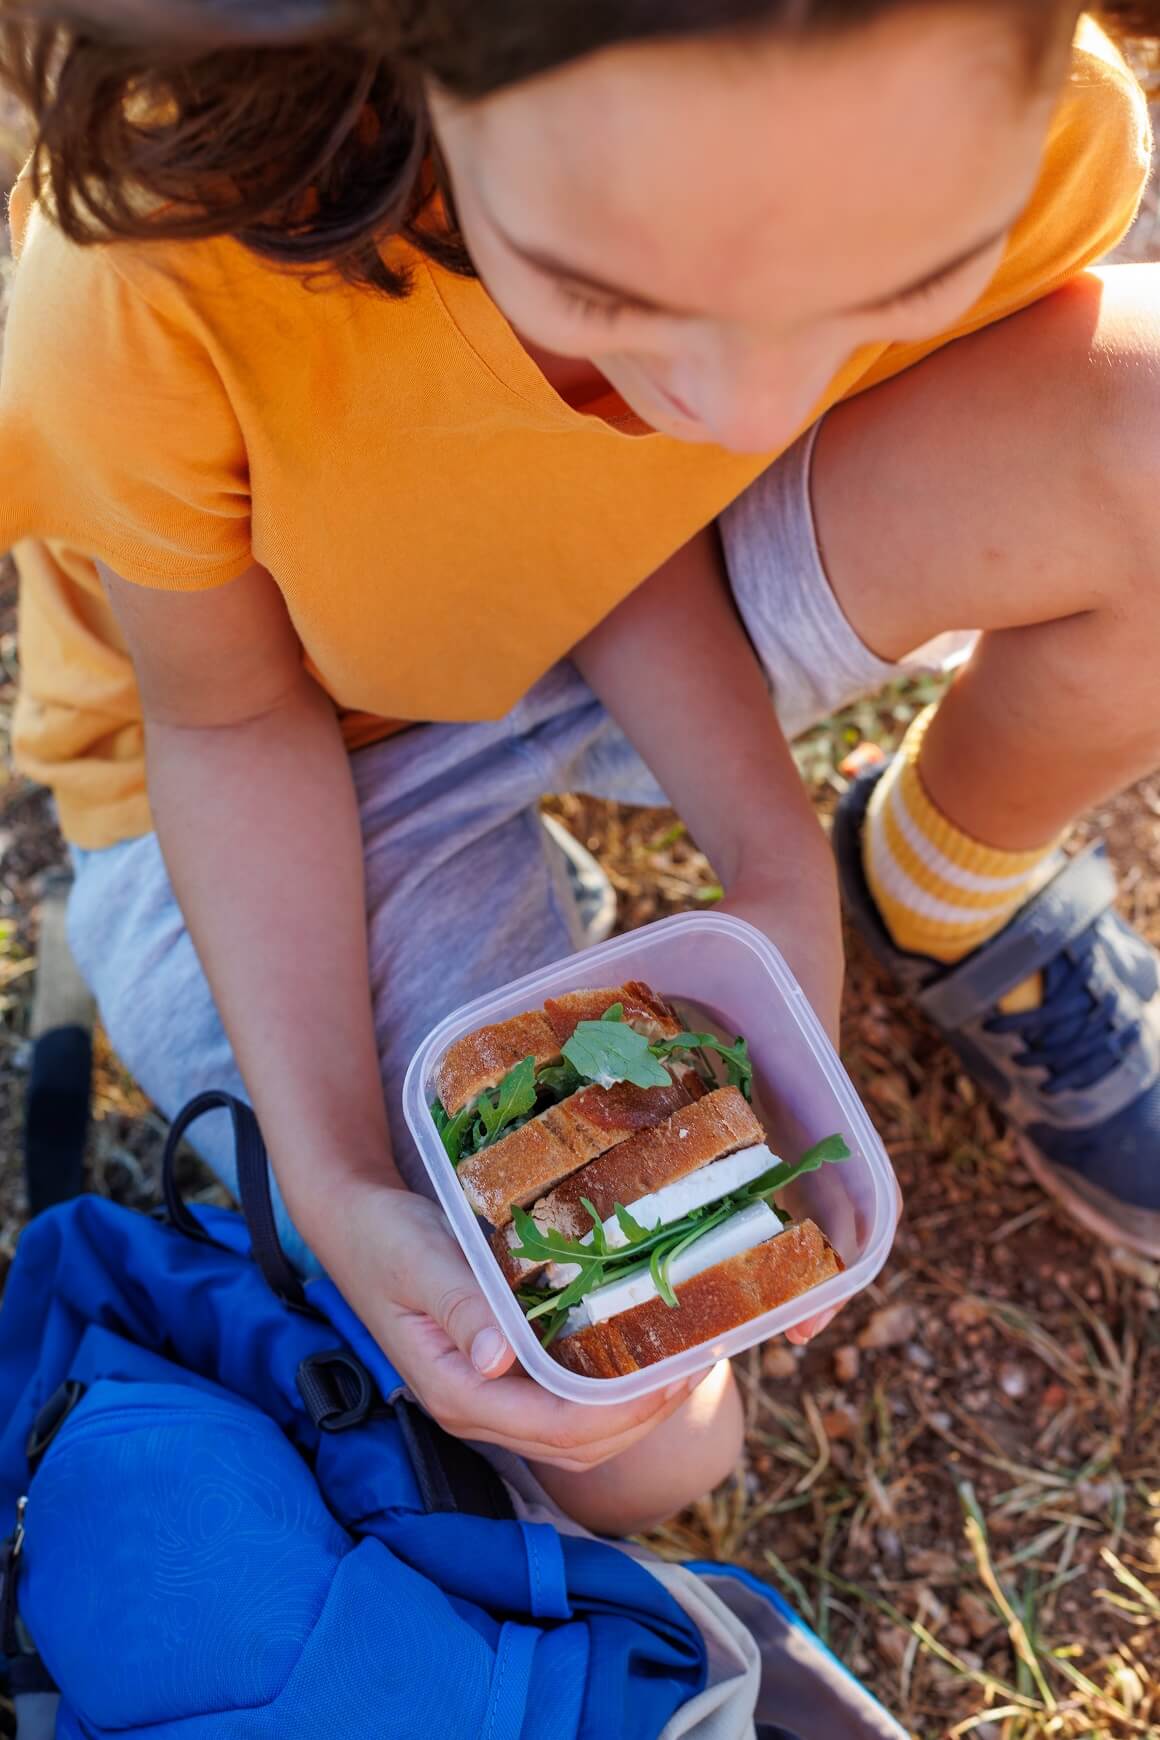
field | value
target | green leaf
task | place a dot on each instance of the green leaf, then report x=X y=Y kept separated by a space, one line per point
x=599 y=1242
x=710 y=894
x=515 y=1096
x=632 y=1229
x=556 y=1081
x=738 y=1067
x=829 y=1148
x=614 y=1012
x=778 y=1177
x=658 y=1269
x=606 y=1052
x=451 y=1130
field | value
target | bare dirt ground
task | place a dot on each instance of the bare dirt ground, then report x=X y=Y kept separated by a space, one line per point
x=960 y=1486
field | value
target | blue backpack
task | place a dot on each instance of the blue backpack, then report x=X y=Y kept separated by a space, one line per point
x=229 y=1520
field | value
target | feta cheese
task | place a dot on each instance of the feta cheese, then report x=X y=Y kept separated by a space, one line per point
x=748 y=1227
x=674 y=1201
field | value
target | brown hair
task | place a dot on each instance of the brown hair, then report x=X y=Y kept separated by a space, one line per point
x=299 y=126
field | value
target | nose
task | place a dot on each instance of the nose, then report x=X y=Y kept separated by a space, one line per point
x=756 y=402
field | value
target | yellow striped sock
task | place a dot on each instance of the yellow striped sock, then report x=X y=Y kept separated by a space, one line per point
x=939 y=892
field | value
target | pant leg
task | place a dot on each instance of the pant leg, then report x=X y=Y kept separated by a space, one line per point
x=460 y=898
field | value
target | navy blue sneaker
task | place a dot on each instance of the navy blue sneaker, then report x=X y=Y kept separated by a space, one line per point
x=1078 y=1077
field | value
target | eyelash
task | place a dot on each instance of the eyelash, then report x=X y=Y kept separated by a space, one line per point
x=592 y=307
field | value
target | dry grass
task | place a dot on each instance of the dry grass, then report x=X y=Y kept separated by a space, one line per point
x=960 y=1487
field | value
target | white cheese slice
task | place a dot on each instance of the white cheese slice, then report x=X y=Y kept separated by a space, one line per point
x=750 y=1226
x=673 y=1201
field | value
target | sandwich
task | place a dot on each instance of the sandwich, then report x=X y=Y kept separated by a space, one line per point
x=625 y=1179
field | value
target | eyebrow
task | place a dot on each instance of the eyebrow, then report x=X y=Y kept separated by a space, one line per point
x=553 y=267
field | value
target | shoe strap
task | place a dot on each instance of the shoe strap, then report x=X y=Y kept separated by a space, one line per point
x=1064 y=908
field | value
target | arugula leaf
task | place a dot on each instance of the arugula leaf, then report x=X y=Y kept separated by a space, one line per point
x=451 y=1130
x=829 y=1148
x=658 y=1269
x=556 y=1081
x=735 y=1057
x=598 y=1240
x=606 y=1052
x=547 y=1245
x=515 y=1095
x=632 y=1229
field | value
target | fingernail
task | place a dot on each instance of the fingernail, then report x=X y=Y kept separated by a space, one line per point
x=487 y=1350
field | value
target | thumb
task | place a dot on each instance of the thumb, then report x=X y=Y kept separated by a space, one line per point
x=455 y=1302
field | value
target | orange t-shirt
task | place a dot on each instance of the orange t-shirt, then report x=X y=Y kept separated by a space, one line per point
x=442 y=525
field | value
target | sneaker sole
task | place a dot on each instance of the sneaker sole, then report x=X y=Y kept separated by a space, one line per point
x=1095 y=1210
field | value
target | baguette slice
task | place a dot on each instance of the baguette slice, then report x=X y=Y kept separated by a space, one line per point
x=720 y=1123
x=532 y=1159
x=711 y=1303
x=643 y=1010
x=479 y=1061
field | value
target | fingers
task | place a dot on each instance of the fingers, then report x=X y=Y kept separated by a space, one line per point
x=514 y=1411
x=450 y=1296
x=803 y=1332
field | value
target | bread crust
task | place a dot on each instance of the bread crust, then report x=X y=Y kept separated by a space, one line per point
x=707 y=1129
x=643 y=1010
x=533 y=1159
x=711 y=1303
x=479 y=1061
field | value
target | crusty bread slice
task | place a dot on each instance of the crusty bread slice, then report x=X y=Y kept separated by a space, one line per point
x=709 y=1129
x=711 y=1304
x=643 y=1010
x=532 y=1159
x=479 y=1061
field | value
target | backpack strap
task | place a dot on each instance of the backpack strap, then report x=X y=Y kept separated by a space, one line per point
x=451 y=1475
x=253 y=1175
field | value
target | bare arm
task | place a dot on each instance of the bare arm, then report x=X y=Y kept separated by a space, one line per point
x=674 y=667
x=255 y=810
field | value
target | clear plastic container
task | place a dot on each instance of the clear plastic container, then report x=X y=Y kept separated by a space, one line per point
x=725 y=974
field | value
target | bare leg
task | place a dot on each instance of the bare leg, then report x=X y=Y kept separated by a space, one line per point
x=690 y=1453
x=1012 y=483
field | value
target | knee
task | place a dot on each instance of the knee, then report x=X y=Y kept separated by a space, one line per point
x=713 y=1423
x=1121 y=407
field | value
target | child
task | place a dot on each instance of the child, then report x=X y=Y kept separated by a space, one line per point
x=433 y=343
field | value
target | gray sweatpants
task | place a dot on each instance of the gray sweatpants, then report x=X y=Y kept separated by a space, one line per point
x=461 y=895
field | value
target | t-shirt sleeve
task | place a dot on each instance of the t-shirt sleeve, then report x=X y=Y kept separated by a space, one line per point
x=117 y=436
x=1093 y=174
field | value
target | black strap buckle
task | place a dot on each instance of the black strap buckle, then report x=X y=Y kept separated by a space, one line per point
x=337 y=1389
x=50 y=1419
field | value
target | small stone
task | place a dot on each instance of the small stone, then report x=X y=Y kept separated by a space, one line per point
x=1012 y=1380
x=916 y=1354
x=1094 y=1496
x=893 y=1642
x=847 y=1362
x=778 y=1360
x=839 y=1423
x=966 y=1313
x=941 y=1420
x=890 y=1327
x=889 y=1543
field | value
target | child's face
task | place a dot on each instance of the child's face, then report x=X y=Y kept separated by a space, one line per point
x=717 y=227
